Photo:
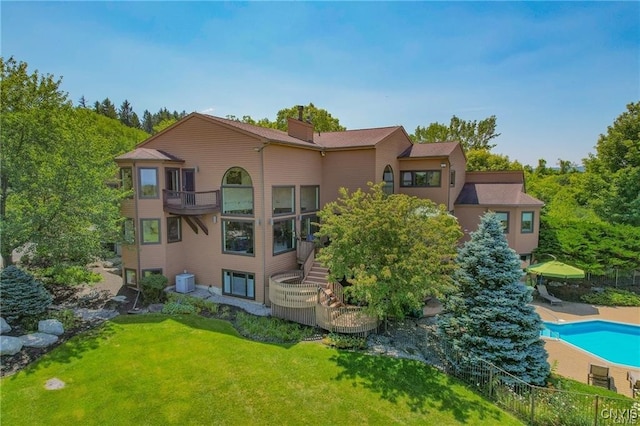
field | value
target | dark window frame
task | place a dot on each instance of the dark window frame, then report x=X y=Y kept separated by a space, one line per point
x=247 y=252
x=126 y=277
x=149 y=219
x=506 y=228
x=126 y=182
x=141 y=194
x=229 y=187
x=151 y=271
x=290 y=239
x=317 y=198
x=305 y=233
x=414 y=174
x=293 y=200
x=179 y=221
x=247 y=275
x=452 y=178
x=522 y=221
x=125 y=231
x=388 y=184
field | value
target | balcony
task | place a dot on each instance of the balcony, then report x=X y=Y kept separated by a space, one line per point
x=188 y=203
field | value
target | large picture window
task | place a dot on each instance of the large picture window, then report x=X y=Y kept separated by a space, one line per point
x=308 y=227
x=237 y=193
x=130 y=277
x=526 y=222
x=174 y=229
x=422 y=179
x=150 y=231
x=240 y=284
x=284 y=238
x=237 y=237
x=504 y=219
x=309 y=198
x=283 y=199
x=148 y=183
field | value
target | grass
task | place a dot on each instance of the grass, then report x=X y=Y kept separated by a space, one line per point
x=156 y=369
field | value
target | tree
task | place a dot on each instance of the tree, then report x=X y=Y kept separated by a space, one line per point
x=147 y=122
x=108 y=109
x=56 y=163
x=471 y=134
x=22 y=295
x=394 y=250
x=125 y=114
x=82 y=102
x=321 y=119
x=483 y=160
x=164 y=124
x=490 y=317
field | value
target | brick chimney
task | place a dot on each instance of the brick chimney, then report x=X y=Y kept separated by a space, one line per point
x=298 y=128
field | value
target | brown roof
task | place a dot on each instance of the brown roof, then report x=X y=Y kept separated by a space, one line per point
x=263 y=132
x=503 y=194
x=148 y=154
x=425 y=150
x=353 y=138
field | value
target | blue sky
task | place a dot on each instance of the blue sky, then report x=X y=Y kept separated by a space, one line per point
x=555 y=74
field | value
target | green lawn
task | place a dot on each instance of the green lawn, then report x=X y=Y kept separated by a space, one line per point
x=156 y=370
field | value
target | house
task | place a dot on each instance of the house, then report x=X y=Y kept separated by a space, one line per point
x=231 y=202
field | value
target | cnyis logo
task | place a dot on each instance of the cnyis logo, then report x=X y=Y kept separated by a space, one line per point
x=620 y=416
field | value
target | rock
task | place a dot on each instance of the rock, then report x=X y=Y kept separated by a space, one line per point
x=10 y=345
x=54 y=384
x=4 y=326
x=51 y=326
x=95 y=314
x=38 y=340
x=156 y=307
x=119 y=299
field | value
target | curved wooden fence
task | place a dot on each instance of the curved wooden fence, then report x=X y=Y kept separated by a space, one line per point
x=294 y=300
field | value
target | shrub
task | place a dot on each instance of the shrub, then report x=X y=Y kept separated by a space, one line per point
x=69 y=275
x=65 y=316
x=198 y=303
x=20 y=294
x=152 y=287
x=613 y=297
x=271 y=329
x=343 y=341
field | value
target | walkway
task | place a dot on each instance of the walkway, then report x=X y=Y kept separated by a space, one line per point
x=573 y=362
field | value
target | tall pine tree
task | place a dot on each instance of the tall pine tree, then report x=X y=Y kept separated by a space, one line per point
x=490 y=317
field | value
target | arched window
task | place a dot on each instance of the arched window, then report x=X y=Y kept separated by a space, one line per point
x=387 y=177
x=237 y=192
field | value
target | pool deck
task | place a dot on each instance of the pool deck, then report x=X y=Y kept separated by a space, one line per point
x=574 y=363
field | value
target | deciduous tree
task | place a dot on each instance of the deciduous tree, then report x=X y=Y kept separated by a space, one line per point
x=475 y=135
x=394 y=250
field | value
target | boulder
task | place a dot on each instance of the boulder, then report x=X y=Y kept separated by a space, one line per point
x=38 y=340
x=10 y=345
x=51 y=326
x=4 y=326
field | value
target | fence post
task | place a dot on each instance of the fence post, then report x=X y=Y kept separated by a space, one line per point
x=491 y=382
x=533 y=405
x=595 y=419
x=616 y=277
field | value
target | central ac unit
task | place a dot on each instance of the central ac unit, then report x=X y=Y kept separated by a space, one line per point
x=185 y=283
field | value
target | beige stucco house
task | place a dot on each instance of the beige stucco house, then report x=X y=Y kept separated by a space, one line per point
x=230 y=202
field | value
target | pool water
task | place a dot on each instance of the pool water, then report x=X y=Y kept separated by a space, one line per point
x=615 y=342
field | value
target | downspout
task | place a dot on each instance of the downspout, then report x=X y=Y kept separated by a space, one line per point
x=264 y=229
x=136 y=231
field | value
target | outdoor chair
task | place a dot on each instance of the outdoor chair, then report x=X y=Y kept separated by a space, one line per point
x=599 y=376
x=634 y=381
x=542 y=290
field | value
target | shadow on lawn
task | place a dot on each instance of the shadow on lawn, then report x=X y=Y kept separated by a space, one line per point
x=423 y=386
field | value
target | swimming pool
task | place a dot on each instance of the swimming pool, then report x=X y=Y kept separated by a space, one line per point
x=616 y=342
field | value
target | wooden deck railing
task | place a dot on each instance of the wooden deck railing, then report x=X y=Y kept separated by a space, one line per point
x=187 y=202
x=345 y=319
x=304 y=249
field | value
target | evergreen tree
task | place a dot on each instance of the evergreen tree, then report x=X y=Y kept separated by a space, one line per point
x=22 y=295
x=135 y=121
x=490 y=317
x=147 y=121
x=125 y=113
x=82 y=102
x=108 y=109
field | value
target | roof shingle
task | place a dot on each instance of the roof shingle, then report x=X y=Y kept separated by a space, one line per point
x=425 y=150
x=504 y=194
x=148 y=154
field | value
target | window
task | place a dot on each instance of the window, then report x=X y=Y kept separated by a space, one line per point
x=427 y=178
x=128 y=231
x=148 y=183
x=130 y=277
x=526 y=222
x=174 y=229
x=452 y=178
x=150 y=231
x=241 y=284
x=387 y=178
x=284 y=237
x=308 y=227
x=147 y=272
x=172 y=181
x=237 y=237
x=283 y=199
x=126 y=178
x=504 y=219
x=309 y=198
x=237 y=192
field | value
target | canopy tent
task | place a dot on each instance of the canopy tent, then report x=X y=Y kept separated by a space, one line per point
x=555 y=269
